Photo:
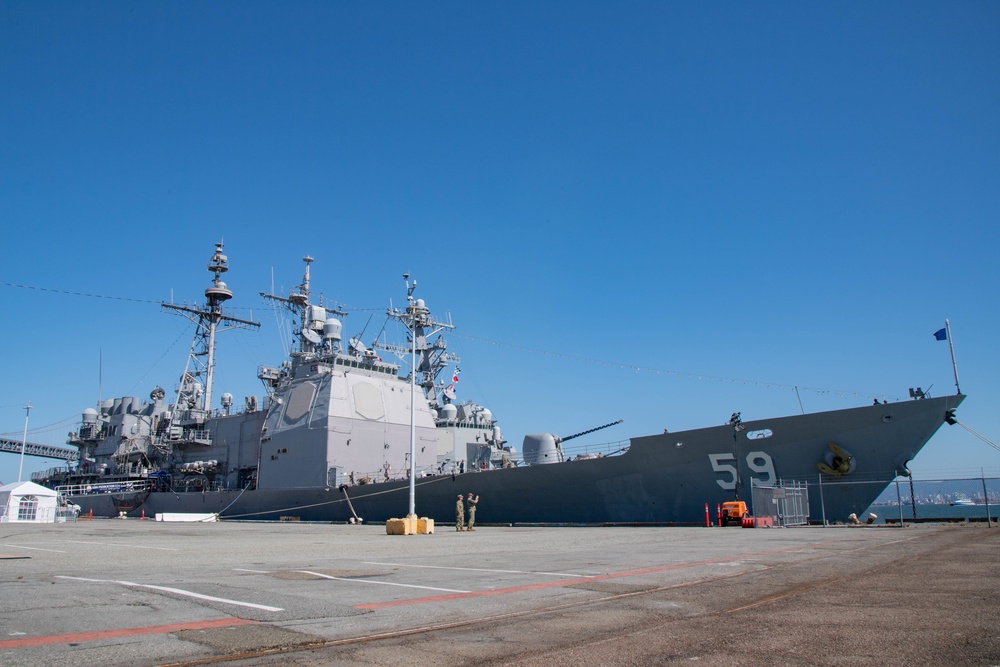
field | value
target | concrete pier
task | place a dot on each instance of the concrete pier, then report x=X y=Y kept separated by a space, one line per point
x=143 y=593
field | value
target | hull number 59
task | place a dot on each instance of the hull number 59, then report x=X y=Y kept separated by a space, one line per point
x=760 y=464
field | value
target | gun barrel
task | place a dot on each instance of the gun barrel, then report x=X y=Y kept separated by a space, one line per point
x=577 y=435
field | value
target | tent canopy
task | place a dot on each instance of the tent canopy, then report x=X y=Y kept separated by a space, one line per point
x=27 y=502
x=27 y=489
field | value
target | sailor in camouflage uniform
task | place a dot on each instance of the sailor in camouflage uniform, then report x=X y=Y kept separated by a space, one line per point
x=460 y=514
x=472 y=511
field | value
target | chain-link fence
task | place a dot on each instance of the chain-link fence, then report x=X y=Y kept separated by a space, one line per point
x=964 y=499
x=786 y=503
x=906 y=499
x=897 y=501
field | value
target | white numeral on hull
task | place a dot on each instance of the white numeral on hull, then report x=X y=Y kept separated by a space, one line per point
x=759 y=462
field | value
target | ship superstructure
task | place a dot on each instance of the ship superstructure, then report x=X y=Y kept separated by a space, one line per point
x=331 y=416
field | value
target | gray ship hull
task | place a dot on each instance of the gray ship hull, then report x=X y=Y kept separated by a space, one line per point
x=661 y=479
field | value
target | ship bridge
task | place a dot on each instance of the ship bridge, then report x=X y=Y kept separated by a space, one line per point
x=34 y=449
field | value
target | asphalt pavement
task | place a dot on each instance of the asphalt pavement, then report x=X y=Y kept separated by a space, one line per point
x=143 y=593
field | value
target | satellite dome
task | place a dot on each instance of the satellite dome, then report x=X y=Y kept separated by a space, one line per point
x=89 y=416
x=332 y=329
x=449 y=412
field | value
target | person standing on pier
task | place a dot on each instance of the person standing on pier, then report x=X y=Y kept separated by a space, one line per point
x=472 y=511
x=459 y=514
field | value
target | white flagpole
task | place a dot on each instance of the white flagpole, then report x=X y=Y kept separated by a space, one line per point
x=951 y=346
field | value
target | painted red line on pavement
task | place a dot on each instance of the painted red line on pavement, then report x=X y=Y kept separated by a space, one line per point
x=563 y=583
x=123 y=632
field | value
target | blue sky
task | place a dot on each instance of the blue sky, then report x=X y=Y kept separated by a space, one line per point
x=781 y=194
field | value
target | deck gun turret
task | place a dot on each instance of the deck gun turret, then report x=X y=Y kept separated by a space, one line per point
x=539 y=448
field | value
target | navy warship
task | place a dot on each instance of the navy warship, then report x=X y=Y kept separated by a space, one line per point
x=331 y=441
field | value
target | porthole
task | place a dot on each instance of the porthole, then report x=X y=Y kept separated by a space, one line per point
x=887 y=419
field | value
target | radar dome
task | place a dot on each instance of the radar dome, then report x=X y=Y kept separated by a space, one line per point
x=89 y=416
x=332 y=329
x=449 y=412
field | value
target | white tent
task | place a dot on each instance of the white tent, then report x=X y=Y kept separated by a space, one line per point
x=27 y=502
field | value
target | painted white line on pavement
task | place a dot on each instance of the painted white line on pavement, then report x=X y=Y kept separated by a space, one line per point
x=176 y=591
x=476 y=569
x=18 y=546
x=382 y=583
x=131 y=546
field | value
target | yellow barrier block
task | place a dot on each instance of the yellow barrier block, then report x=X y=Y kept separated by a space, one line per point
x=409 y=525
x=400 y=527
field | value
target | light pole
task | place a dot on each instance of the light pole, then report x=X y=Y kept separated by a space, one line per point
x=413 y=409
x=417 y=320
x=24 y=440
x=738 y=426
x=412 y=326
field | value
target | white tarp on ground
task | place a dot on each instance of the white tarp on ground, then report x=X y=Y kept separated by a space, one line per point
x=27 y=502
x=188 y=517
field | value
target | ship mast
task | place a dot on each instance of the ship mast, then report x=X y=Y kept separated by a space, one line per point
x=195 y=391
x=417 y=319
x=433 y=358
x=313 y=335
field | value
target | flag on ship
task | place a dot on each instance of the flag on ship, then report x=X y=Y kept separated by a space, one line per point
x=941 y=334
